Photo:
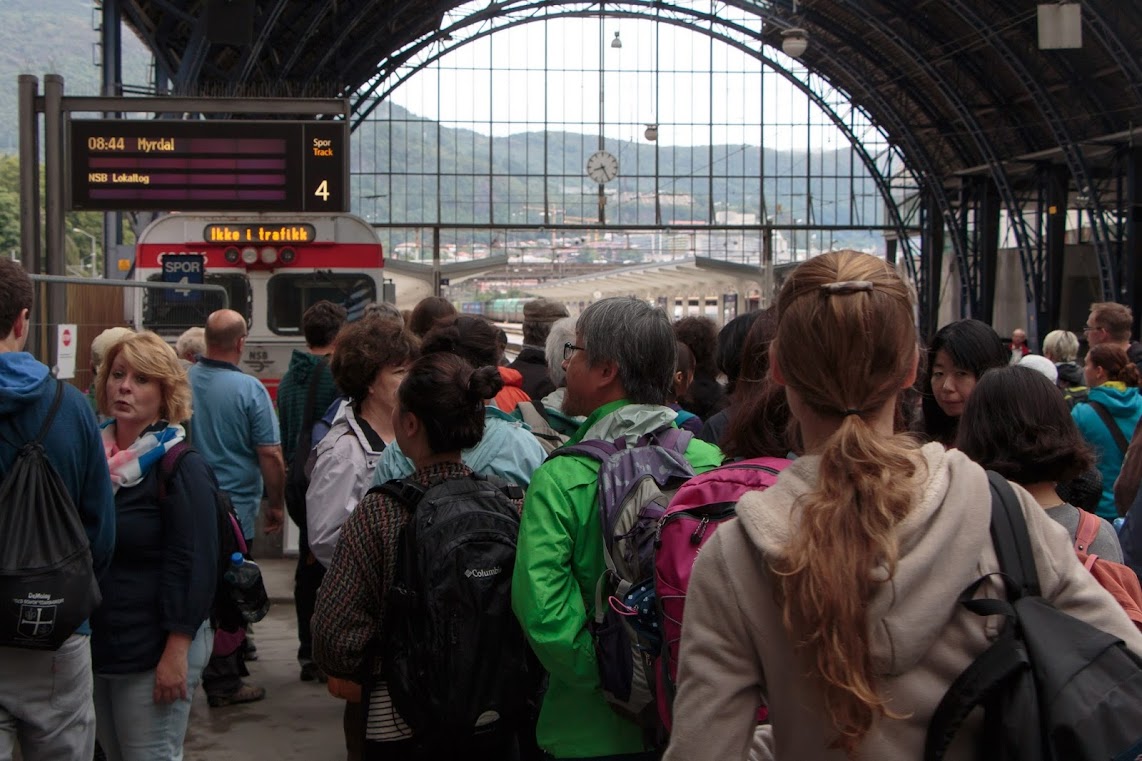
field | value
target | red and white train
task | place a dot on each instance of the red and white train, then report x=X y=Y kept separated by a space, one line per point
x=273 y=266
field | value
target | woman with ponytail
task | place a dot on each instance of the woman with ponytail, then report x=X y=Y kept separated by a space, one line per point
x=833 y=598
x=440 y=412
x=1109 y=415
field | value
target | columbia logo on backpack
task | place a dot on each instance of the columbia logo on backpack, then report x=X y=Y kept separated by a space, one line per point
x=482 y=573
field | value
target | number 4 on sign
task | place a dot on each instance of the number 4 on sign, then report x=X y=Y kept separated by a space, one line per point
x=322 y=191
x=184 y=292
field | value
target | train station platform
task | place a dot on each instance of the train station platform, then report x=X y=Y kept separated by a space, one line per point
x=297 y=721
x=690 y=276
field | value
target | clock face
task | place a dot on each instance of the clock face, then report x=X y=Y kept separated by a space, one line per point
x=602 y=167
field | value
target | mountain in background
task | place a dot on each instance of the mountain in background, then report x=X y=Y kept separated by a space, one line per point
x=55 y=37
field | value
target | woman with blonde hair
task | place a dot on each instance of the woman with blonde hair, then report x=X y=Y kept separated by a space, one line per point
x=151 y=637
x=833 y=598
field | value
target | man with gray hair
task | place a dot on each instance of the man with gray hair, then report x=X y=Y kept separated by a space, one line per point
x=619 y=367
x=538 y=316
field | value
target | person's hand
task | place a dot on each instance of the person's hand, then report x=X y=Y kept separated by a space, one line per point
x=344 y=689
x=170 y=678
x=275 y=519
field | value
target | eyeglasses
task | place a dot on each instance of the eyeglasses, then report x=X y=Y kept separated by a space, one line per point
x=569 y=349
x=1089 y=328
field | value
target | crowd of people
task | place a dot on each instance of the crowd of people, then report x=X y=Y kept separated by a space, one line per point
x=480 y=541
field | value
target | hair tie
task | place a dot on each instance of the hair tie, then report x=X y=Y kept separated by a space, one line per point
x=845 y=287
x=851 y=412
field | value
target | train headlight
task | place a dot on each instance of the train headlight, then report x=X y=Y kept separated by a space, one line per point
x=288 y=255
x=269 y=255
x=232 y=255
x=249 y=255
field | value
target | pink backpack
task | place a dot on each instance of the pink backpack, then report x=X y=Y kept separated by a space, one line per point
x=700 y=506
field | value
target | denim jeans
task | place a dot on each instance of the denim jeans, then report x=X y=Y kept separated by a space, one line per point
x=131 y=727
x=45 y=702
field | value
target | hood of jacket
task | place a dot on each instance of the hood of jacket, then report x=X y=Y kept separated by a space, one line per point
x=1119 y=400
x=902 y=622
x=1071 y=373
x=511 y=377
x=501 y=435
x=301 y=365
x=22 y=381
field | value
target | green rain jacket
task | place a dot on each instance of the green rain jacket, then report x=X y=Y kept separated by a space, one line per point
x=559 y=559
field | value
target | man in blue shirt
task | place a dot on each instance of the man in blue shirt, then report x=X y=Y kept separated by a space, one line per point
x=235 y=428
x=46 y=697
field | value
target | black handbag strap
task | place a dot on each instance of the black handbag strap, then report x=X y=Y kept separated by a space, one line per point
x=1115 y=432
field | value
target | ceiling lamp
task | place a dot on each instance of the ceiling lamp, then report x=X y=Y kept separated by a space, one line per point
x=616 y=42
x=794 y=42
x=651 y=132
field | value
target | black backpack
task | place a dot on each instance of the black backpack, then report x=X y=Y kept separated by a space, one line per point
x=47 y=584
x=454 y=656
x=297 y=480
x=233 y=608
x=1052 y=687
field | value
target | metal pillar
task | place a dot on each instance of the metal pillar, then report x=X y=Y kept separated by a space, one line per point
x=111 y=47
x=987 y=221
x=931 y=265
x=1132 y=249
x=53 y=201
x=1057 y=181
x=30 y=254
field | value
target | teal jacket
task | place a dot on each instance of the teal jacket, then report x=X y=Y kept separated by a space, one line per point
x=1125 y=406
x=559 y=559
x=508 y=450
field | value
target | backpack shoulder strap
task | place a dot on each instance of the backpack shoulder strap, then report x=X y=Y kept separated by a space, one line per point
x=56 y=401
x=1107 y=420
x=596 y=449
x=984 y=677
x=405 y=491
x=1006 y=658
x=1009 y=534
x=168 y=465
x=537 y=405
x=1087 y=532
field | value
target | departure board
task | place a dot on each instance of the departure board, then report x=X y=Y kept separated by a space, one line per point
x=160 y=165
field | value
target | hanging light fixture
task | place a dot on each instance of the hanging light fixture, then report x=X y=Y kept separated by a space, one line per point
x=616 y=42
x=794 y=42
x=651 y=132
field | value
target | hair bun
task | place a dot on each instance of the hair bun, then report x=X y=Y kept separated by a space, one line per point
x=484 y=383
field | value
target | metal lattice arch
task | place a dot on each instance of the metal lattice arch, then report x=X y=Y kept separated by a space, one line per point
x=995 y=133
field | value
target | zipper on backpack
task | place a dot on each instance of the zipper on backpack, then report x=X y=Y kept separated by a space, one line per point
x=696 y=537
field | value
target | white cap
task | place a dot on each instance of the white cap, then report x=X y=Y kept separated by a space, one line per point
x=1041 y=364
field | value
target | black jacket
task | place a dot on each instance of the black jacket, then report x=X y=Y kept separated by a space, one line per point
x=163 y=572
x=532 y=365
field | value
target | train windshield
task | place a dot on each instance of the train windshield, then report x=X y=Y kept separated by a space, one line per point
x=172 y=312
x=290 y=295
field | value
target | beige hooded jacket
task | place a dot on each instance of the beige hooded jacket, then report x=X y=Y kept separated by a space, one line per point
x=736 y=653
